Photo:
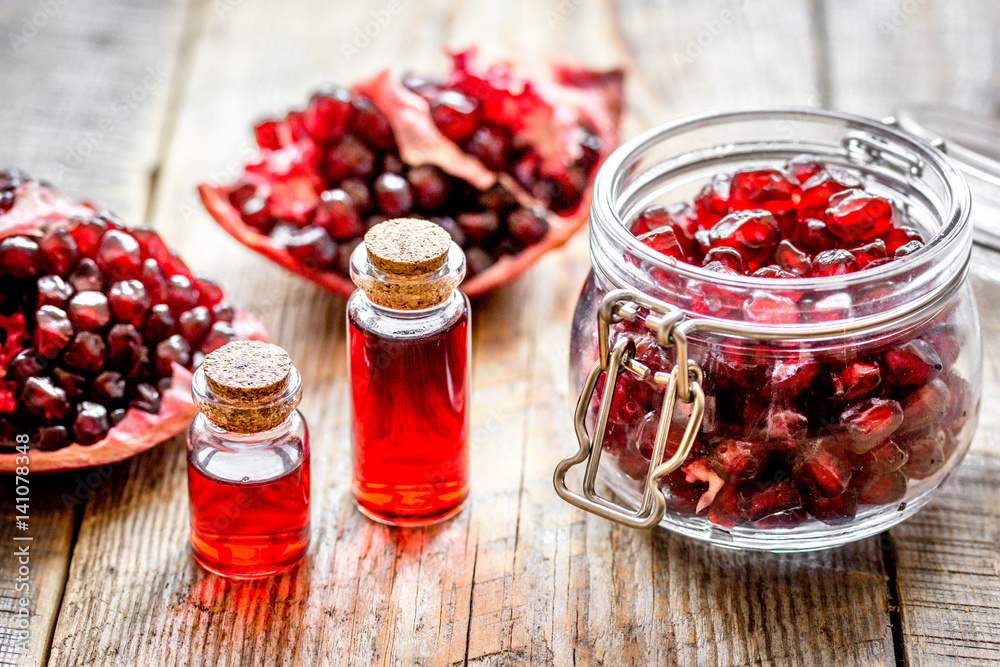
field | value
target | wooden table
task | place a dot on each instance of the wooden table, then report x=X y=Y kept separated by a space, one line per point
x=133 y=102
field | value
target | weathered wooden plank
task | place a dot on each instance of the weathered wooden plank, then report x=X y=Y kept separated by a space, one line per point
x=904 y=52
x=86 y=90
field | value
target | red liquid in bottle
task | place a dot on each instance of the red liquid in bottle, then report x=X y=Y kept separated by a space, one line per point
x=411 y=462
x=245 y=527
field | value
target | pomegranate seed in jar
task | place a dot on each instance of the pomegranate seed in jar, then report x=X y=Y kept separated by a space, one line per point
x=767 y=189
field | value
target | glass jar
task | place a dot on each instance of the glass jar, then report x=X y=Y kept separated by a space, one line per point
x=759 y=451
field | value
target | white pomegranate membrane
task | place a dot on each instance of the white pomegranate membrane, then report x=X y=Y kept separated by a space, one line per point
x=791 y=435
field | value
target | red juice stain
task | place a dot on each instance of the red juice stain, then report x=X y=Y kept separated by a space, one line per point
x=411 y=431
x=245 y=527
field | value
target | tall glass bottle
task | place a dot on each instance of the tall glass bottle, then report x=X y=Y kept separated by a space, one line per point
x=248 y=462
x=409 y=349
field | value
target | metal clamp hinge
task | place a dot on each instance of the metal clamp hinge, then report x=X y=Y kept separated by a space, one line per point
x=685 y=386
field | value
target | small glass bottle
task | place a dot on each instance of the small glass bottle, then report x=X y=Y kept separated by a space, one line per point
x=248 y=462
x=409 y=349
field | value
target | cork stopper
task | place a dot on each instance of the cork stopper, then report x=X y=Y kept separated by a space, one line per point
x=248 y=382
x=407 y=246
x=408 y=264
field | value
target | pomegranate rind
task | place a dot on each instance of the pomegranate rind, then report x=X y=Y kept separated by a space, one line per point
x=568 y=94
x=40 y=207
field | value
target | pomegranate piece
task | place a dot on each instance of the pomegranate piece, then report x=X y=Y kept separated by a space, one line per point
x=785 y=427
x=925 y=454
x=736 y=460
x=774 y=499
x=766 y=189
x=856 y=215
x=897 y=237
x=835 y=262
x=790 y=378
x=870 y=254
x=664 y=241
x=19 y=257
x=712 y=203
x=792 y=259
x=870 y=422
x=856 y=380
x=833 y=511
x=817 y=191
x=881 y=489
x=753 y=233
x=907 y=249
x=75 y=348
x=812 y=236
x=768 y=308
x=925 y=406
x=885 y=458
x=912 y=363
x=823 y=469
x=803 y=167
x=430 y=148
x=726 y=509
x=725 y=255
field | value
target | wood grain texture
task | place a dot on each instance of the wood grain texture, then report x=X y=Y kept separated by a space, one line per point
x=519 y=576
x=86 y=90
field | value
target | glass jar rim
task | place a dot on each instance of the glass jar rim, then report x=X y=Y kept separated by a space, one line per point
x=611 y=174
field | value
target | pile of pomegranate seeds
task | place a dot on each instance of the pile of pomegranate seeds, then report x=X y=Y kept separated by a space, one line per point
x=792 y=435
x=808 y=219
x=93 y=317
x=496 y=158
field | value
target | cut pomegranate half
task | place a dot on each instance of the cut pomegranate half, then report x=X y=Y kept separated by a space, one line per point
x=100 y=328
x=503 y=157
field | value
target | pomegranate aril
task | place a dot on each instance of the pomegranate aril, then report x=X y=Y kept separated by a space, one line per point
x=818 y=190
x=209 y=292
x=173 y=350
x=491 y=144
x=50 y=438
x=897 y=237
x=835 y=262
x=925 y=454
x=768 y=308
x=775 y=271
x=830 y=308
x=870 y=422
x=882 y=489
x=73 y=384
x=803 y=167
x=338 y=215
x=825 y=471
x=833 y=511
x=86 y=276
x=108 y=388
x=194 y=324
x=369 y=123
x=44 y=399
x=455 y=114
x=856 y=380
x=736 y=460
x=91 y=423
x=726 y=255
x=89 y=311
x=431 y=186
x=753 y=233
x=25 y=364
x=912 y=363
x=129 y=301
x=712 y=203
x=87 y=232
x=349 y=157
x=53 y=331
x=792 y=259
x=528 y=225
x=767 y=189
x=725 y=509
x=774 y=499
x=313 y=247
x=393 y=164
x=218 y=335
x=871 y=254
x=266 y=134
x=118 y=255
x=856 y=215
x=19 y=257
x=664 y=241
x=883 y=459
x=124 y=344
x=159 y=323
x=57 y=251
x=53 y=291
x=393 y=196
x=790 y=378
x=145 y=396
x=925 y=406
x=785 y=427
x=946 y=341
x=154 y=280
x=907 y=249
x=85 y=353
x=181 y=294
x=326 y=116
x=479 y=227
x=252 y=203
